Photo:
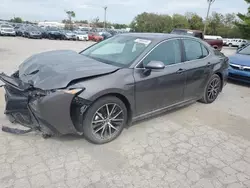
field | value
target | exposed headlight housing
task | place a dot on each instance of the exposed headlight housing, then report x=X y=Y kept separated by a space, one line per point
x=73 y=91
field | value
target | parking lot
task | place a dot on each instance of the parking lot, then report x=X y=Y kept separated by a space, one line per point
x=195 y=146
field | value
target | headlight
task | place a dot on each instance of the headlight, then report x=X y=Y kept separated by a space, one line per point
x=73 y=91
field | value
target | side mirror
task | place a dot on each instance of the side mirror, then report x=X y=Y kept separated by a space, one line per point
x=155 y=65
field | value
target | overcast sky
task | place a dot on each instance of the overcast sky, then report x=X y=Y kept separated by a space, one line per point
x=120 y=11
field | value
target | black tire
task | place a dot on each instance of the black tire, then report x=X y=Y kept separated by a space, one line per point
x=88 y=130
x=207 y=98
x=230 y=45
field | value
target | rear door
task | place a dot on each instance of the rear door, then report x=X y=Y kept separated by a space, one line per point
x=198 y=66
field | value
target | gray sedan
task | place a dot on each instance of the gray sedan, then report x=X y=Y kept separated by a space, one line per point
x=103 y=89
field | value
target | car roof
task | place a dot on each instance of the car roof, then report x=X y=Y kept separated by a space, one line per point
x=157 y=36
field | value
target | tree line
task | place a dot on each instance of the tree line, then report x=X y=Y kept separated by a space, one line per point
x=218 y=24
x=228 y=25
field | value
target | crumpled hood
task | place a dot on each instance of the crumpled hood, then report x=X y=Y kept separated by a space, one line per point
x=240 y=59
x=56 y=69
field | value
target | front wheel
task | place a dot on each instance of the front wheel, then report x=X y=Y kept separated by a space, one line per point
x=212 y=90
x=104 y=120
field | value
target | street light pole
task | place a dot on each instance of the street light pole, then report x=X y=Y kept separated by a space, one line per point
x=210 y=2
x=105 y=13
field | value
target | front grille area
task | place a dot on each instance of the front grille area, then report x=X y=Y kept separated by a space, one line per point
x=8 y=30
x=240 y=77
x=244 y=68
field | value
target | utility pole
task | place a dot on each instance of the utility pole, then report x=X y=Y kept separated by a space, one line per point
x=210 y=2
x=105 y=14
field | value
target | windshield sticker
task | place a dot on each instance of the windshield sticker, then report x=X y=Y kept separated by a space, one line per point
x=143 y=41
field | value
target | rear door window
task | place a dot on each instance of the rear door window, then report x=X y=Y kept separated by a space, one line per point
x=193 y=49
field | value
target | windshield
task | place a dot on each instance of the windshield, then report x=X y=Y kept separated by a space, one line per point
x=52 y=29
x=245 y=51
x=6 y=26
x=31 y=29
x=81 y=33
x=120 y=50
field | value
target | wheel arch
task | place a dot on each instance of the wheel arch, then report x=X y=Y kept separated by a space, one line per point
x=124 y=99
x=221 y=78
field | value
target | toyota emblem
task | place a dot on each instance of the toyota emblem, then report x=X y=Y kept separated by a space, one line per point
x=241 y=68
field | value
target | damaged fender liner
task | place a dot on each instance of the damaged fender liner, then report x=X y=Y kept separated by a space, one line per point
x=49 y=114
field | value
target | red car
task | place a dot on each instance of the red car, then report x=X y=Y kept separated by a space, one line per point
x=95 y=37
x=215 y=43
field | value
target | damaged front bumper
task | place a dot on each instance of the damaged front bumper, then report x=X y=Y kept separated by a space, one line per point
x=51 y=112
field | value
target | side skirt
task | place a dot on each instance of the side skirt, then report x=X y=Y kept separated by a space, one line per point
x=162 y=110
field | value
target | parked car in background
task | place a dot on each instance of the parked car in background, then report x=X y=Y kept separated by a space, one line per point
x=214 y=42
x=43 y=32
x=213 y=37
x=240 y=65
x=105 y=35
x=55 y=33
x=69 y=35
x=32 y=32
x=243 y=45
x=95 y=36
x=7 y=30
x=81 y=35
x=16 y=28
x=103 y=89
x=224 y=41
x=20 y=31
x=236 y=42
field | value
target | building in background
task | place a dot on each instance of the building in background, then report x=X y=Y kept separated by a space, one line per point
x=51 y=24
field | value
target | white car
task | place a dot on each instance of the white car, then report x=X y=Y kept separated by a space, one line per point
x=236 y=42
x=211 y=37
x=82 y=36
x=6 y=29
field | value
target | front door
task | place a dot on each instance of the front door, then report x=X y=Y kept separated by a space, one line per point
x=160 y=88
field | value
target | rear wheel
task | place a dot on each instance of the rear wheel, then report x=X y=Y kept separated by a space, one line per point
x=104 y=120
x=212 y=90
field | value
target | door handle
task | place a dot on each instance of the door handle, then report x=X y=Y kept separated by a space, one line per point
x=180 y=71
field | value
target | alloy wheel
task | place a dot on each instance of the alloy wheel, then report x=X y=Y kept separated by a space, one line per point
x=213 y=89
x=107 y=121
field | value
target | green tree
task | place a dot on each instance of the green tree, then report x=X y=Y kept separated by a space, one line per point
x=195 y=21
x=16 y=20
x=71 y=14
x=180 y=21
x=230 y=20
x=151 y=22
x=214 y=23
x=96 y=23
x=228 y=28
x=119 y=26
x=244 y=25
